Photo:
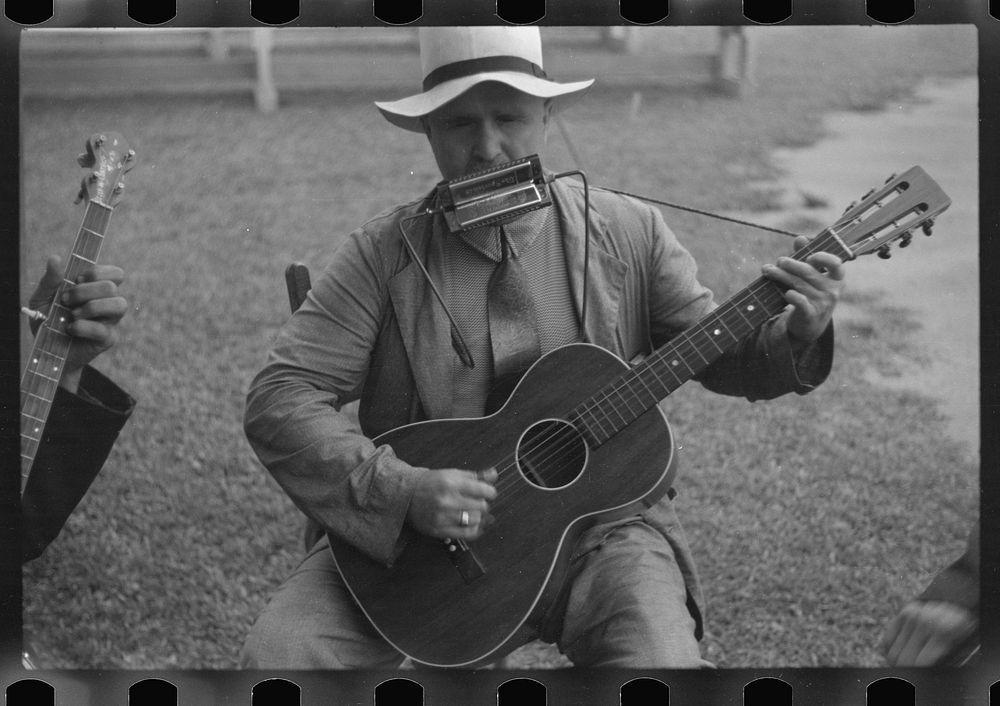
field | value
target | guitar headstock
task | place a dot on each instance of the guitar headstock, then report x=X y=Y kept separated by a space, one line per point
x=892 y=211
x=109 y=157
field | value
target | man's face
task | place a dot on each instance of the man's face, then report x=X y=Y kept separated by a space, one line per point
x=489 y=124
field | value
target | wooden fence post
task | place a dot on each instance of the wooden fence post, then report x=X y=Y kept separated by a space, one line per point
x=216 y=45
x=265 y=92
x=734 y=62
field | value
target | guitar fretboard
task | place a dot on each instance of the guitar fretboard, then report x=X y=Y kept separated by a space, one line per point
x=48 y=355
x=639 y=389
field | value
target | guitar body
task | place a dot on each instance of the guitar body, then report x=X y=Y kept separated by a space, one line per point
x=463 y=607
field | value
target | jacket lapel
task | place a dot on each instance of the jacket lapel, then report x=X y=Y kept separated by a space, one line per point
x=424 y=327
x=605 y=272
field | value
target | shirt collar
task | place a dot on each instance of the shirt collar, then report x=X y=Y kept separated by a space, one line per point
x=521 y=233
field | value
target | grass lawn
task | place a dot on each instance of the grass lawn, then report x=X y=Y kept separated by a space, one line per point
x=812 y=518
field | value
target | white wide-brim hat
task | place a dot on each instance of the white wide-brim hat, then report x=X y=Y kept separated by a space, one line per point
x=454 y=59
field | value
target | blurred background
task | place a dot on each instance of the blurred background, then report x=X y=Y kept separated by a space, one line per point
x=813 y=519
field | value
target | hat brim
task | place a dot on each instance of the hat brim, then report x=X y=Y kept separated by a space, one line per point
x=406 y=112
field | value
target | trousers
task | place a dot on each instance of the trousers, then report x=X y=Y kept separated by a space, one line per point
x=623 y=604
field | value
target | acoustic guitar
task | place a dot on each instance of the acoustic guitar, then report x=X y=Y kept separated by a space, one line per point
x=579 y=416
x=109 y=157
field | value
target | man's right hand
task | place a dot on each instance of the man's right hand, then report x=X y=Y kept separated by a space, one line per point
x=927 y=633
x=443 y=498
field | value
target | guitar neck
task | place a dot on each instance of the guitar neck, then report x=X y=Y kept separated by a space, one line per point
x=52 y=343
x=624 y=400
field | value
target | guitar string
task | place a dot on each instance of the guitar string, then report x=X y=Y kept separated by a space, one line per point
x=678 y=351
x=51 y=345
x=733 y=304
x=51 y=341
x=606 y=393
x=559 y=441
x=33 y=388
x=572 y=438
x=602 y=398
x=745 y=295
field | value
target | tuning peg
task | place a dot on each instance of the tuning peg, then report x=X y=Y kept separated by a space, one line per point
x=82 y=193
x=905 y=239
x=927 y=226
x=130 y=155
x=891 y=177
x=85 y=160
x=119 y=187
x=884 y=252
x=872 y=191
x=850 y=206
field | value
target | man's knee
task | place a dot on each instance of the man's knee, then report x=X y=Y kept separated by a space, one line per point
x=628 y=605
x=338 y=637
x=273 y=644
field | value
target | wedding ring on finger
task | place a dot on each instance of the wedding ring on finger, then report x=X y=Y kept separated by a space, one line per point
x=464 y=519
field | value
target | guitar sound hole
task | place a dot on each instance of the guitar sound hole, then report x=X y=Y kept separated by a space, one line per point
x=551 y=454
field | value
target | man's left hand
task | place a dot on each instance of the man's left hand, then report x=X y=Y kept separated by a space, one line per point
x=814 y=286
x=95 y=308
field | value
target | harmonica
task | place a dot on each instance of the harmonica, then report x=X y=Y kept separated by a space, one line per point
x=494 y=195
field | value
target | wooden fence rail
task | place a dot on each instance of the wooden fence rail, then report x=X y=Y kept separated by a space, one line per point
x=266 y=61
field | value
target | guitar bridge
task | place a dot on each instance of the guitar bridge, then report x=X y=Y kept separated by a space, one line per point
x=464 y=560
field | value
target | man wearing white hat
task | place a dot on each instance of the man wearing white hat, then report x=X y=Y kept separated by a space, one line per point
x=409 y=329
